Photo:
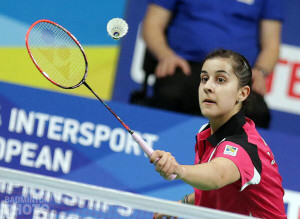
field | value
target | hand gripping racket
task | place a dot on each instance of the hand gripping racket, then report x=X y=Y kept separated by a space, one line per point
x=58 y=55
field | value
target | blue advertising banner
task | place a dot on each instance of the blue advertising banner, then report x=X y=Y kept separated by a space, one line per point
x=71 y=137
x=76 y=138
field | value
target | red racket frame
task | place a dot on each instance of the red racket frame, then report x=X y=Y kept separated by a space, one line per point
x=40 y=69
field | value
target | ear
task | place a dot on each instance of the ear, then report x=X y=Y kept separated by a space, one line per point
x=243 y=93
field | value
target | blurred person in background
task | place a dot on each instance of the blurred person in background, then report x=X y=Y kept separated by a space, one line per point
x=180 y=34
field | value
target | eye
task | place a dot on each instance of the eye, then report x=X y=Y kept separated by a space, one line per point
x=204 y=79
x=221 y=80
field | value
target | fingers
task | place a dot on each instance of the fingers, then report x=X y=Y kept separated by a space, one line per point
x=165 y=163
x=184 y=65
x=165 y=68
x=259 y=88
x=155 y=156
x=259 y=82
x=161 y=70
x=168 y=65
x=157 y=216
x=161 y=216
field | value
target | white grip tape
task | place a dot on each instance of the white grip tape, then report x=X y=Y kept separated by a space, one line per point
x=147 y=149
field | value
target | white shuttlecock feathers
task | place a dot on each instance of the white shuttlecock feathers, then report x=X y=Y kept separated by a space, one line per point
x=117 y=28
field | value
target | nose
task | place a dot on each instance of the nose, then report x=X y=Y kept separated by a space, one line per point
x=208 y=87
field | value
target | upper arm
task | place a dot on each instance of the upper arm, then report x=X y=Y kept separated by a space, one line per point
x=227 y=170
x=244 y=156
x=156 y=17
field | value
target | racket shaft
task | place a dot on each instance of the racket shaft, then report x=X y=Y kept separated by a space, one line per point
x=147 y=149
x=138 y=139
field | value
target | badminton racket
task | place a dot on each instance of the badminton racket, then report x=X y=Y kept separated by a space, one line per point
x=58 y=55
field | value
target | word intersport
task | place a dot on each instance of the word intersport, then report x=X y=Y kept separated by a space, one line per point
x=67 y=132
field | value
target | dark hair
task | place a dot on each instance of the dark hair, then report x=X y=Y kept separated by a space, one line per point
x=240 y=64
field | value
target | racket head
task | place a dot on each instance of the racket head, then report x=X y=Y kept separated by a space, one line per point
x=57 y=54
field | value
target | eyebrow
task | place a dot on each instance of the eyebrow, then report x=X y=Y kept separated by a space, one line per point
x=219 y=71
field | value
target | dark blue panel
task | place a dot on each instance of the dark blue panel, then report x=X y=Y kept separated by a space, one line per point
x=291 y=27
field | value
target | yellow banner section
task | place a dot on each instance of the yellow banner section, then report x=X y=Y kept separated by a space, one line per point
x=16 y=67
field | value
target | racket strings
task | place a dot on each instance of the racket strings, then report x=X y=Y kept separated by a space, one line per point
x=57 y=54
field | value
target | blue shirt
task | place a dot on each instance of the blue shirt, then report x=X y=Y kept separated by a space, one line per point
x=200 y=26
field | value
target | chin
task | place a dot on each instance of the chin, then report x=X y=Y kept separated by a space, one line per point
x=207 y=113
x=211 y=113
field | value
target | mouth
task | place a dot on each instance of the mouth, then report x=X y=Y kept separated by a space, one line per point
x=208 y=101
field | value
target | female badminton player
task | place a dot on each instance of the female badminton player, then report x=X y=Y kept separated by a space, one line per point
x=234 y=168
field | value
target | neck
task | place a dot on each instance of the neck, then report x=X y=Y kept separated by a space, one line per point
x=217 y=122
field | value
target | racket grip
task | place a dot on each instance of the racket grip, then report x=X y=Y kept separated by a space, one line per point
x=143 y=145
x=147 y=149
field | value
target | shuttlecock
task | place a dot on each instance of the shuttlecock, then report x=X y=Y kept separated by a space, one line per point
x=117 y=28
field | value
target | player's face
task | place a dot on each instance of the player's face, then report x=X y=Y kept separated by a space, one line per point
x=218 y=89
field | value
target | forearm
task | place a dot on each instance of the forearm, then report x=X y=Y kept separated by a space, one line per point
x=202 y=176
x=156 y=41
x=267 y=58
x=270 y=38
x=216 y=174
x=154 y=27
